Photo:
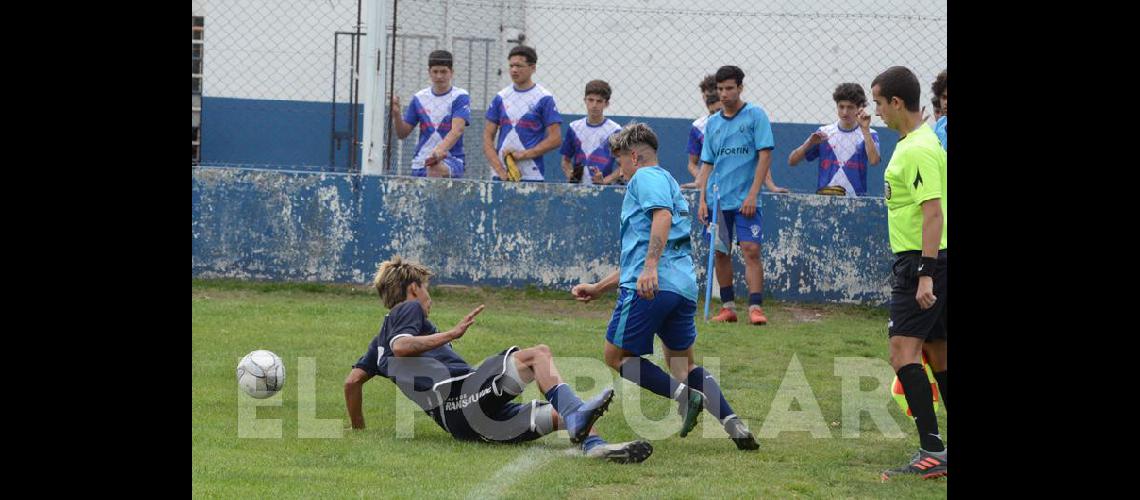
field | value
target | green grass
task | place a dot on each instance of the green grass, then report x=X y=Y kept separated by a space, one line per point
x=333 y=325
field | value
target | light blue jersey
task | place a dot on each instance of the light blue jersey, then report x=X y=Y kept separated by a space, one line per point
x=732 y=146
x=940 y=131
x=652 y=188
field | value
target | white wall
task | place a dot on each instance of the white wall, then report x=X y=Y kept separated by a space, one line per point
x=792 y=53
x=261 y=49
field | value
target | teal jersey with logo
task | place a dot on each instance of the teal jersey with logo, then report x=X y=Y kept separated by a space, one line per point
x=732 y=146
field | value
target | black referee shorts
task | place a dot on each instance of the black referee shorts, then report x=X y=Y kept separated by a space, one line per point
x=906 y=317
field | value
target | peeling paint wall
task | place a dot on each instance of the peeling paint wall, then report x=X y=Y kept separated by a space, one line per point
x=300 y=226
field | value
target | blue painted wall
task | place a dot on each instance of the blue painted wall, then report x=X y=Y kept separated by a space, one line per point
x=301 y=226
x=292 y=134
x=296 y=135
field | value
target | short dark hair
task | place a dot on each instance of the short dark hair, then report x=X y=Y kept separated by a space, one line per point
x=523 y=50
x=708 y=88
x=440 y=58
x=939 y=85
x=599 y=88
x=850 y=92
x=898 y=81
x=730 y=73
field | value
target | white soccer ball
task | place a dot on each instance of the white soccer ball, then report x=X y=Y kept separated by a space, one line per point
x=261 y=374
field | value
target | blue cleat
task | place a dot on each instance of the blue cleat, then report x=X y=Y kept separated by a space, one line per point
x=579 y=421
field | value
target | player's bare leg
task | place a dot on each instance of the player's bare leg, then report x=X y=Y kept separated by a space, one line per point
x=722 y=263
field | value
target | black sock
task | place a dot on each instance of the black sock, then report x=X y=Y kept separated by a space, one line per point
x=920 y=398
x=943 y=387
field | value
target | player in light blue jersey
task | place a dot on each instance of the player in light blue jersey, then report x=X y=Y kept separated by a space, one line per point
x=658 y=289
x=737 y=156
x=697 y=135
x=522 y=122
x=442 y=112
x=585 y=151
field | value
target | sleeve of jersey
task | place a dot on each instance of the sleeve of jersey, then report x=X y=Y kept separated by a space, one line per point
x=568 y=145
x=412 y=113
x=763 y=131
x=494 y=110
x=652 y=192
x=550 y=114
x=461 y=108
x=926 y=181
x=405 y=320
x=694 y=148
x=706 y=147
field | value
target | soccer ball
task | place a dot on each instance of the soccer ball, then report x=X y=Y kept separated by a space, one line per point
x=900 y=396
x=261 y=374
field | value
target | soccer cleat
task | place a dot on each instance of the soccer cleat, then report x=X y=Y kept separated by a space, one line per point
x=690 y=411
x=740 y=434
x=725 y=315
x=924 y=464
x=633 y=452
x=756 y=316
x=579 y=421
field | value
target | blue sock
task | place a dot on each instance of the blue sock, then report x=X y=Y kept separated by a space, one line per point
x=650 y=376
x=727 y=294
x=700 y=380
x=755 y=299
x=592 y=441
x=563 y=399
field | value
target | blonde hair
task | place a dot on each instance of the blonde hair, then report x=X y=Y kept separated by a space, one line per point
x=393 y=277
x=632 y=135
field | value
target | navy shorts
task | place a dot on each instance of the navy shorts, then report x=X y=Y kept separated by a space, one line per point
x=734 y=224
x=636 y=320
x=476 y=408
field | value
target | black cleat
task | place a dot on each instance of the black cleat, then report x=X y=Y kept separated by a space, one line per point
x=740 y=434
x=633 y=452
x=924 y=464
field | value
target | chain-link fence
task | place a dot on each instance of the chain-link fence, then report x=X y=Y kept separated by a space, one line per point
x=277 y=82
x=654 y=54
x=277 y=78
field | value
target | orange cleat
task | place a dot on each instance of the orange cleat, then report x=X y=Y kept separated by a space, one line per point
x=756 y=316
x=725 y=315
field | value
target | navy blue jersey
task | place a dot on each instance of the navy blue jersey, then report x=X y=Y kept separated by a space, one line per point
x=407 y=320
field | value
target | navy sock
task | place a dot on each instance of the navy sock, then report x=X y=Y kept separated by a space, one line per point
x=727 y=294
x=650 y=376
x=755 y=299
x=563 y=399
x=592 y=441
x=920 y=398
x=701 y=380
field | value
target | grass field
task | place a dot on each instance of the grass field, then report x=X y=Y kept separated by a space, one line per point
x=333 y=325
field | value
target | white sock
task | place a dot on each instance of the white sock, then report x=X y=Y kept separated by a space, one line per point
x=730 y=305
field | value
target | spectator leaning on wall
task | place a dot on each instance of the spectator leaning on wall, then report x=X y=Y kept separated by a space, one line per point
x=526 y=119
x=442 y=112
x=845 y=148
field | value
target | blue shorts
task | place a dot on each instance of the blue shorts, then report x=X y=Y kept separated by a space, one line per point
x=746 y=229
x=636 y=320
